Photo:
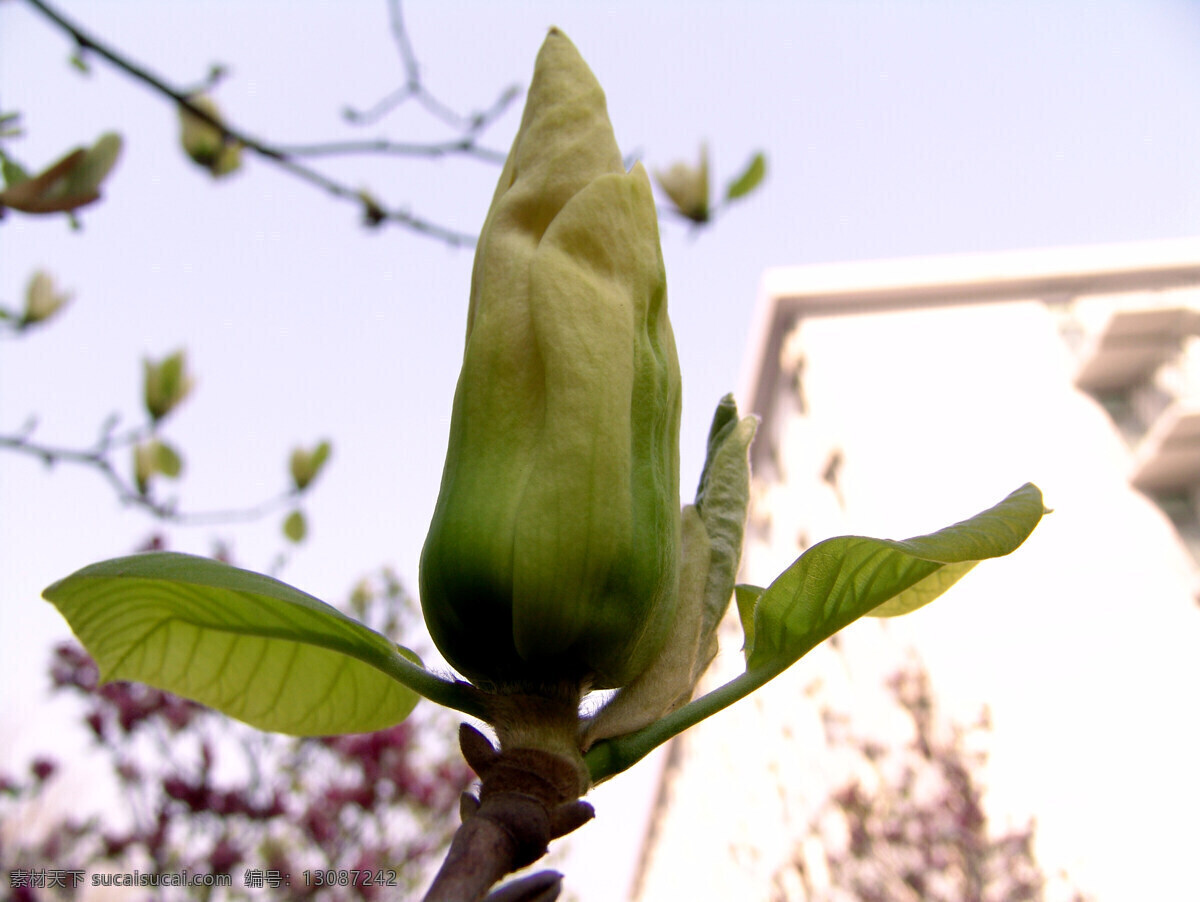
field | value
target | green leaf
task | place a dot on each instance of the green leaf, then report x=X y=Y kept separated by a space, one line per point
x=321 y=455
x=837 y=581
x=747 y=599
x=750 y=178
x=725 y=419
x=154 y=457
x=167 y=460
x=295 y=527
x=13 y=172
x=831 y=585
x=925 y=591
x=64 y=186
x=86 y=178
x=723 y=498
x=245 y=644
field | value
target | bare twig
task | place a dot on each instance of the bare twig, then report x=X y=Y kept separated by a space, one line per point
x=284 y=157
x=414 y=89
x=460 y=146
x=412 y=71
x=99 y=457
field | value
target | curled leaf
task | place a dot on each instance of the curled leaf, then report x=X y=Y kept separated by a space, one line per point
x=747 y=600
x=98 y=161
x=750 y=178
x=723 y=498
x=68 y=184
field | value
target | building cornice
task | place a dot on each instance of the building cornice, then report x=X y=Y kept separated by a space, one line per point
x=789 y=294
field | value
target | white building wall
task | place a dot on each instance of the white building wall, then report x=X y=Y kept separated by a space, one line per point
x=1084 y=644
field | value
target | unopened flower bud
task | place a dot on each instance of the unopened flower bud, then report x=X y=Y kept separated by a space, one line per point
x=42 y=300
x=553 y=552
x=687 y=187
x=305 y=465
x=204 y=142
x=166 y=384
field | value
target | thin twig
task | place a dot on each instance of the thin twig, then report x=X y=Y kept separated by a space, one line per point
x=99 y=458
x=375 y=214
x=414 y=89
x=460 y=146
x=412 y=71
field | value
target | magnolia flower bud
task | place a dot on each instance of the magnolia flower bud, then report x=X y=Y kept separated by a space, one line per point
x=152 y=458
x=687 y=187
x=42 y=300
x=165 y=384
x=305 y=465
x=204 y=142
x=553 y=552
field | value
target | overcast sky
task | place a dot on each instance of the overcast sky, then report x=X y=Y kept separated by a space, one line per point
x=891 y=129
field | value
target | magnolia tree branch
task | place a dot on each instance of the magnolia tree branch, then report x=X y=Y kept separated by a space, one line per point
x=459 y=146
x=99 y=457
x=286 y=158
x=527 y=797
x=414 y=89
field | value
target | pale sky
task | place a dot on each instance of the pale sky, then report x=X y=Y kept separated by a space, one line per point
x=892 y=129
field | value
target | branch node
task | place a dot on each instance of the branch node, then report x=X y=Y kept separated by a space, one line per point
x=527 y=798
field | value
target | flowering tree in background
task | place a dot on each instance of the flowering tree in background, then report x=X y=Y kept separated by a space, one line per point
x=914 y=827
x=207 y=795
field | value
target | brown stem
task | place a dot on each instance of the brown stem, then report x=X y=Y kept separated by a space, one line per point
x=100 y=458
x=527 y=797
x=374 y=214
